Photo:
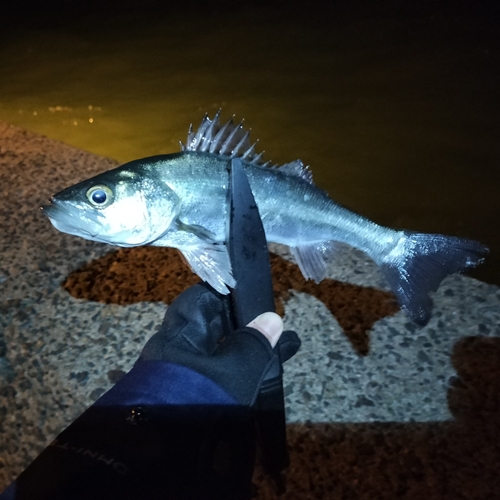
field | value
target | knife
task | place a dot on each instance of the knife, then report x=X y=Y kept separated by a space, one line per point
x=251 y=296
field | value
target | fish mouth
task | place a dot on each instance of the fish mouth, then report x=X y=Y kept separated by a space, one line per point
x=59 y=215
x=49 y=211
x=54 y=209
x=66 y=220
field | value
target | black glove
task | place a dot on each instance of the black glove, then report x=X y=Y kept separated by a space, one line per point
x=196 y=333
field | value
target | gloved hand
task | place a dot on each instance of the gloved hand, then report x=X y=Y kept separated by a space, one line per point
x=196 y=333
x=177 y=426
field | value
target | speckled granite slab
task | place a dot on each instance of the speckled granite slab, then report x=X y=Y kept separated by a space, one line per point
x=414 y=412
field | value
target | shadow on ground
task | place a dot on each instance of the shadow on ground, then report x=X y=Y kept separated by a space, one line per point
x=155 y=274
x=439 y=460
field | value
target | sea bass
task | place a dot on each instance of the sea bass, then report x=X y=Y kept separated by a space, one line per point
x=180 y=200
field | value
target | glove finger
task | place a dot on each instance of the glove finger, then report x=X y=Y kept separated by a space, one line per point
x=289 y=343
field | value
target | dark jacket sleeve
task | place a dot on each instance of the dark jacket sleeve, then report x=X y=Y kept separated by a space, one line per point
x=163 y=431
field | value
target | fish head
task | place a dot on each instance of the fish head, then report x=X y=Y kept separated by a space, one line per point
x=124 y=207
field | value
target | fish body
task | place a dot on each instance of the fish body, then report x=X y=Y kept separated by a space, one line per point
x=180 y=200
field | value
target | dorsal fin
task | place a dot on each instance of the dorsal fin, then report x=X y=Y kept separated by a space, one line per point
x=297 y=169
x=229 y=140
x=232 y=141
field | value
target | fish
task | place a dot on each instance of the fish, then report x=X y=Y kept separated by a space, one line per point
x=180 y=200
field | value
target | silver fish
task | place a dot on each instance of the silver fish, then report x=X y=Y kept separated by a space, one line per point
x=180 y=200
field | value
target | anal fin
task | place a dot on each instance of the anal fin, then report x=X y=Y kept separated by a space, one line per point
x=311 y=261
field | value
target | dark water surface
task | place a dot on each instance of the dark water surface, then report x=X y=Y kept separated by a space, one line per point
x=394 y=108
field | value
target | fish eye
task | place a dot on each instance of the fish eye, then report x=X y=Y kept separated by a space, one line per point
x=100 y=196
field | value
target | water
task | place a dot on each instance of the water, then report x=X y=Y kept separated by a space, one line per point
x=395 y=108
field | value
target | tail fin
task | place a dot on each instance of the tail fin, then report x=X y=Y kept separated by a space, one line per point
x=418 y=264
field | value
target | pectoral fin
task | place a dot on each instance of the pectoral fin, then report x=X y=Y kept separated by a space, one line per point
x=211 y=263
x=196 y=230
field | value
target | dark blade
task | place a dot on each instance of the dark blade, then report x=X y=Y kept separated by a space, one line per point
x=248 y=251
x=253 y=295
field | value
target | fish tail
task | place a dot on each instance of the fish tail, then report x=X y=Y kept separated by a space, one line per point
x=419 y=262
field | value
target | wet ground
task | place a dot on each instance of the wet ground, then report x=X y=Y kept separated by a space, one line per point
x=394 y=107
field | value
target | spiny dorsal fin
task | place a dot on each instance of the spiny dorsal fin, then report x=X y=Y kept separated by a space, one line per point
x=229 y=140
